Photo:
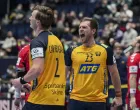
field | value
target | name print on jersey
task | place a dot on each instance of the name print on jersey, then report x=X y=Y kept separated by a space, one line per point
x=56 y=49
x=56 y=89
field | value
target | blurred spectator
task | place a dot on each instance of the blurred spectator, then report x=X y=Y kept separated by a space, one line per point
x=109 y=30
x=118 y=34
x=129 y=35
x=28 y=14
x=5 y=84
x=60 y=22
x=2 y=53
x=67 y=35
x=5 y=20
x=11 y=73
x=102 y=40
x=111 y=42
x=128 y=12
x=106 y=31
x=75 y=41
x=2 y=34
x=9 y=44
x=70 y=18
x=135 y=7
x=121 y=60
x=101 y=9
x=17 y=15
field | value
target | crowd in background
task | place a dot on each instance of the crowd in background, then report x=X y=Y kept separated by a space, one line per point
x=119 y=25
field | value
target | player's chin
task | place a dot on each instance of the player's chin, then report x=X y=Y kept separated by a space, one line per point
x=31 y=26
x=82 y=40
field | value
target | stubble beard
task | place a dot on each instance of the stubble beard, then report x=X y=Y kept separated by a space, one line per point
x=33 y=25
x=87 y=39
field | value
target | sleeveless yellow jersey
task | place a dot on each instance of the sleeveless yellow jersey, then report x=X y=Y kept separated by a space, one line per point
x=49 y=87
x=90 y=83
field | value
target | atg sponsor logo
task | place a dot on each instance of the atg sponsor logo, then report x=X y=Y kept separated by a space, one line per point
x=88 y=68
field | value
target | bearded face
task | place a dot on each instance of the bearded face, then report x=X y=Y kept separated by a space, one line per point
x=85 y=31
x=33 y=23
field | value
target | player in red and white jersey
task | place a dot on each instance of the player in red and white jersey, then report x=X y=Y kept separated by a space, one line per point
x=22 y=67
x=22 y=64
x=133 y=64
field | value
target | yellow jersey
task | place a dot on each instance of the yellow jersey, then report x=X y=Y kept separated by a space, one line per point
x=49 y=87
x=90 y=83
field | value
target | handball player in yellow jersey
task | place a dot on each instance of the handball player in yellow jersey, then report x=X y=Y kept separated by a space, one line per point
x=90 y=63
x=47 y=70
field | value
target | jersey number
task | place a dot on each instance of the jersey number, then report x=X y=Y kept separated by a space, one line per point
x=57 y=64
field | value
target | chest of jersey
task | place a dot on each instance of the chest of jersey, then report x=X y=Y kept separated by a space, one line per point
x=88 y=60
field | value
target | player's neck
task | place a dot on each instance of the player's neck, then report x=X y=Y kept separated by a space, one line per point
x=38 y=31
x=90 y=43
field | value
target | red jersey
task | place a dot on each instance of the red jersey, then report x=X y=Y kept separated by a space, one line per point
x=133 y=65
x=22 y=64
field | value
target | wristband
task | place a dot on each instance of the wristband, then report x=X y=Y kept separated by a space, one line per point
x=132 y=90
x=22 y=81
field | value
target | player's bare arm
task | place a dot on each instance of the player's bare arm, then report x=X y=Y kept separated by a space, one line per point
x=132 y=83
x=36 y=69
x=116 y=83
x=115 y=77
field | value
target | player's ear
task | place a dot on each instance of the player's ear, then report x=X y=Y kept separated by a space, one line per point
x=38 y=22
x=93 y=31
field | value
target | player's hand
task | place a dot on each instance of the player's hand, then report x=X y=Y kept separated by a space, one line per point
x=26 y=88
x=133 y=103
x=16 y=83
x=117 y=101
x=17 y=103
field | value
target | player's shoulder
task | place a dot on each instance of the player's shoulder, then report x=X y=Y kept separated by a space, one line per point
x=134 y=56
x=74 y=46
x=102 y=45
x=24 y=50
x=107 y=48
x=71 y=48
x=41 y=39
x=43 y=36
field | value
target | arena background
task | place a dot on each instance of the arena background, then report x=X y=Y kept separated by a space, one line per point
x=119 y=24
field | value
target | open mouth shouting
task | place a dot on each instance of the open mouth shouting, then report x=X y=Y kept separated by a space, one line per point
x=82 y=35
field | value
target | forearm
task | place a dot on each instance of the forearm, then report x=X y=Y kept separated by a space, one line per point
x=132 y=83
x=116 y=81
x=32 y=74
x=35 y=70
